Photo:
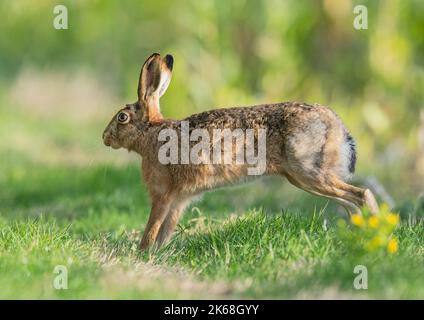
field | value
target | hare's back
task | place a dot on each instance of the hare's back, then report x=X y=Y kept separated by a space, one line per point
x=271 y=116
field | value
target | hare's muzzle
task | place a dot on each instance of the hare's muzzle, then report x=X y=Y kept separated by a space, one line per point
x=106 y=139
x=110 y=141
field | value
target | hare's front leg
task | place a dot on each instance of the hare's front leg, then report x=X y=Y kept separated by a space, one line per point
x=171 y=221
x=160 y=208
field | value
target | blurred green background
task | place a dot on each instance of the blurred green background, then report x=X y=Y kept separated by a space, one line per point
x=59 y=88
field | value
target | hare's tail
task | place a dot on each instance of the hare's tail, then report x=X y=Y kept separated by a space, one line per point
x=351 y=152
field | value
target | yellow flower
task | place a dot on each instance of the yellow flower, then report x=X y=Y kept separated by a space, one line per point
x=373 y=222
x=392 y=219
x=392 y=246
x=357 y=219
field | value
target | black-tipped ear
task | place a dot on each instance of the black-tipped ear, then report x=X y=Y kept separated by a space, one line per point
x=149 y=77
x=155 y=77
x=169 y=61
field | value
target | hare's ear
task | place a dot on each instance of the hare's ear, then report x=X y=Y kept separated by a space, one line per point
x=155 y=77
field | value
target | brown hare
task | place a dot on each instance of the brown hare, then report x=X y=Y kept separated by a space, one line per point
x=307 y=144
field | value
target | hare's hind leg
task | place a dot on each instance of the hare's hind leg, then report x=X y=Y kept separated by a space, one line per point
x=171 y=221
x=320 y=155
x=360 y=197
x=329 y=185
x=349 y=206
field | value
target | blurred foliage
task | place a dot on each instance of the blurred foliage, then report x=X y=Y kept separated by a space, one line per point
x=242 y=52
x=370 y=233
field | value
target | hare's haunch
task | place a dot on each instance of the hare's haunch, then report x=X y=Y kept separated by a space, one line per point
x=307 y=144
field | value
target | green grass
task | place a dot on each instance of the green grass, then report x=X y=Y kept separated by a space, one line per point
x=90 y=219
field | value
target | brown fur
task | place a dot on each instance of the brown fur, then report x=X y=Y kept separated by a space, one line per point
x=304 y=143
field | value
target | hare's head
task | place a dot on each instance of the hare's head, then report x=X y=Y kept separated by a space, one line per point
x=129 y=123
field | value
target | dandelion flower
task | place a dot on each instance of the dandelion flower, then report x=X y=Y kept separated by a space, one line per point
x=392 y=219
x=357 y=219
x=392 y=246
x=373 y=222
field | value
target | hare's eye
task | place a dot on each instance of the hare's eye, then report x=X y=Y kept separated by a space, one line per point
x=123 y=117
